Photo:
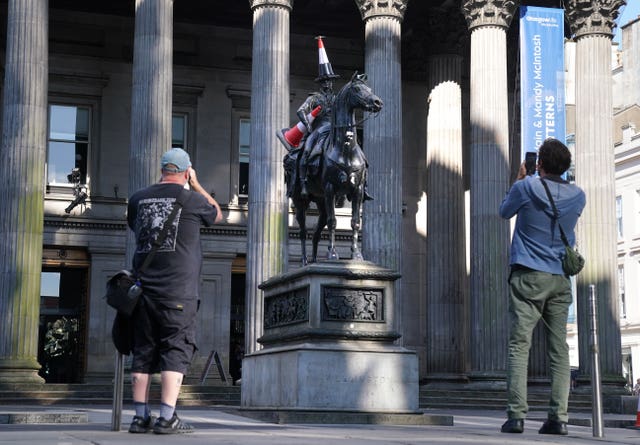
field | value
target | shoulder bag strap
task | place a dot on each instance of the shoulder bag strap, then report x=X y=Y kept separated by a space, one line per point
x=555 y=212
x=163 y=233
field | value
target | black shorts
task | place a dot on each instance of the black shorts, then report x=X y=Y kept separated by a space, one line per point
x=163 y=337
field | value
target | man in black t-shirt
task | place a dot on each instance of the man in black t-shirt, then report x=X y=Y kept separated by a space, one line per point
x=165 y=318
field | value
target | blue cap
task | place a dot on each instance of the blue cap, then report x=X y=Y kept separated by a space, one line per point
x=178 y=157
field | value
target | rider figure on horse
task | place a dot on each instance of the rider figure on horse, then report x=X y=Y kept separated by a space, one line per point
x=322 y=123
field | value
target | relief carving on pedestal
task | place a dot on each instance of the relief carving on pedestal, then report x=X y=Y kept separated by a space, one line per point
x=352 y=304
x=593 y=16
x=286 y=308
x=488 y=12
x=382 y=8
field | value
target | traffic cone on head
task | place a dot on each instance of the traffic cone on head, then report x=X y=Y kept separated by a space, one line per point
x=291 y=137
x=325 y=71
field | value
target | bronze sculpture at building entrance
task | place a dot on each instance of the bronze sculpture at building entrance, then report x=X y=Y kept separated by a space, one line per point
x=329 y=165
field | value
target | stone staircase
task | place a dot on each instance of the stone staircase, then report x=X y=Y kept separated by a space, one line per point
x=194 y=395
x=454 y=397
x=102 y=394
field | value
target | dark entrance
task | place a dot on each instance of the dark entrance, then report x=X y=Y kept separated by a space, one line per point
x=236 y=337
x=63 y=315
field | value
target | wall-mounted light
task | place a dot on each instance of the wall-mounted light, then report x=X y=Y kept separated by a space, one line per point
x=79 y=190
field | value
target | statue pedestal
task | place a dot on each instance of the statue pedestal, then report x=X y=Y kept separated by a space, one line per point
x=328 y=344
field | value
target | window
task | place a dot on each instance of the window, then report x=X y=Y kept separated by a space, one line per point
x=179 y=131
x=244 y=144
x=68 y=144
x=621 y=292
x=619 y=215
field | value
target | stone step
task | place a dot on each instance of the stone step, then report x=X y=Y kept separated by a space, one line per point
x=102 y=394
x=458 y=398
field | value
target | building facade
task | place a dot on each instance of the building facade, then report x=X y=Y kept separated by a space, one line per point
x=626 y=129
x=94 y=92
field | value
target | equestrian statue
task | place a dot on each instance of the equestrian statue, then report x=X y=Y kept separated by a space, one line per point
x=325 y=164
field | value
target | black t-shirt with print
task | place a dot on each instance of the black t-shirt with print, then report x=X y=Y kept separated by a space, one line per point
x=174 y=272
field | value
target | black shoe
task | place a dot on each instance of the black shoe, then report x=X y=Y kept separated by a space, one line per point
x=513 y=426
x=554 y=427
x=171 y=426
x=141 y=425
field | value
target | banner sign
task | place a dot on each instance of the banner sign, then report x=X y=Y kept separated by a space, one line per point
x=542 y=76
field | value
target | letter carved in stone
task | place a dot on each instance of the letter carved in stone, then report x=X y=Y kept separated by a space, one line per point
x=352 y=304
x=593 y=16
x=488 y=12
x=286 y=308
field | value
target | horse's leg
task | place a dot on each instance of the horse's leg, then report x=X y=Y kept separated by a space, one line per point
x=301 y=218
x=355 y=222
x=322 y=221
x=330 y=203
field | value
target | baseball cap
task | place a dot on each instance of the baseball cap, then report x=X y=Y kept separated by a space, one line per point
x=178 y=157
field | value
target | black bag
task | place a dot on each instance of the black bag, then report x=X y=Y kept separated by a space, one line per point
x=123 y=293
x=572 y=261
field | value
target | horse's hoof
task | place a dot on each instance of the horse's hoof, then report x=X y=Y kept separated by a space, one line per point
x=333 y=256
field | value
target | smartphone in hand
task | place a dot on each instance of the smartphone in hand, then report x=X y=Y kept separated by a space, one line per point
x=530 y=161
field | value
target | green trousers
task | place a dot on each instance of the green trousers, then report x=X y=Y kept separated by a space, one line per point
x=534 y=295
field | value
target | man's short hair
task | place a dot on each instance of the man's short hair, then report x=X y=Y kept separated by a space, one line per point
x=554 y=157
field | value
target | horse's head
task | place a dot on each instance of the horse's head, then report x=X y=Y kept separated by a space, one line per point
x=359 y=94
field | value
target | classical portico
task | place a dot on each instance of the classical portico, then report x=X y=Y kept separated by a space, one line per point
x=465 y=99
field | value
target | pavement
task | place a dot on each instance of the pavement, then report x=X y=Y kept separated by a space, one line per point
x=225 y=425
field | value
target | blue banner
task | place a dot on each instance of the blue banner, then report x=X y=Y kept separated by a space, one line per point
x=542 y=76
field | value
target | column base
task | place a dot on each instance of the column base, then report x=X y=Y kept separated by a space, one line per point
x=20 y=371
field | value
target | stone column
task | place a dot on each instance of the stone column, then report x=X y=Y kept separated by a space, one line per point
x=592 y=24
x=488 y=21
x=23 y=150
x=267 y=253
x=151 y=103
x=447 y=282
x=382 y=141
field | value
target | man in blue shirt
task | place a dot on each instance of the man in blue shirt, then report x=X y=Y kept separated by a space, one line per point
x=538 y=287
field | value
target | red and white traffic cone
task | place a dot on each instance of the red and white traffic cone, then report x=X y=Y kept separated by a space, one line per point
x=637 y=425
x=291 y=137
x=325 y=71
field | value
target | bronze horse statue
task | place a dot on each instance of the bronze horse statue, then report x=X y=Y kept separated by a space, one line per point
x=338 y=171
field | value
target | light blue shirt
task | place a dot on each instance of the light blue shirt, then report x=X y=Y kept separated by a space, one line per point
x=536 y=242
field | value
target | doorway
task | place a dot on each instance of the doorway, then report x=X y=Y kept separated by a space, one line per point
x=63 y=315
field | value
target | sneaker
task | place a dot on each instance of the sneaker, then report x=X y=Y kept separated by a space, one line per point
x=554 y=427
x=141 y=425
x=513 y=426
x=171 y=426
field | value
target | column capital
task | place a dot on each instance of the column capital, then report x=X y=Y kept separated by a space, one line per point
x=445 y=30
x=254 y=4
x=480 y=13
x=587 y=17
x=382 y=8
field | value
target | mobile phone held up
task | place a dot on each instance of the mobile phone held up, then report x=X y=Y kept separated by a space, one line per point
x=530 y=160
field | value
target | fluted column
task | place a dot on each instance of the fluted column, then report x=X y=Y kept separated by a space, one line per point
x=447 y=281
x=151 y=103
x=447 y=308
x=382 y=217
x=592 y=24
x=23 y=150
x=488 y=21
x=267 y=253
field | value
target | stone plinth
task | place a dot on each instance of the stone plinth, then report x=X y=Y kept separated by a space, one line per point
x=328 y=344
